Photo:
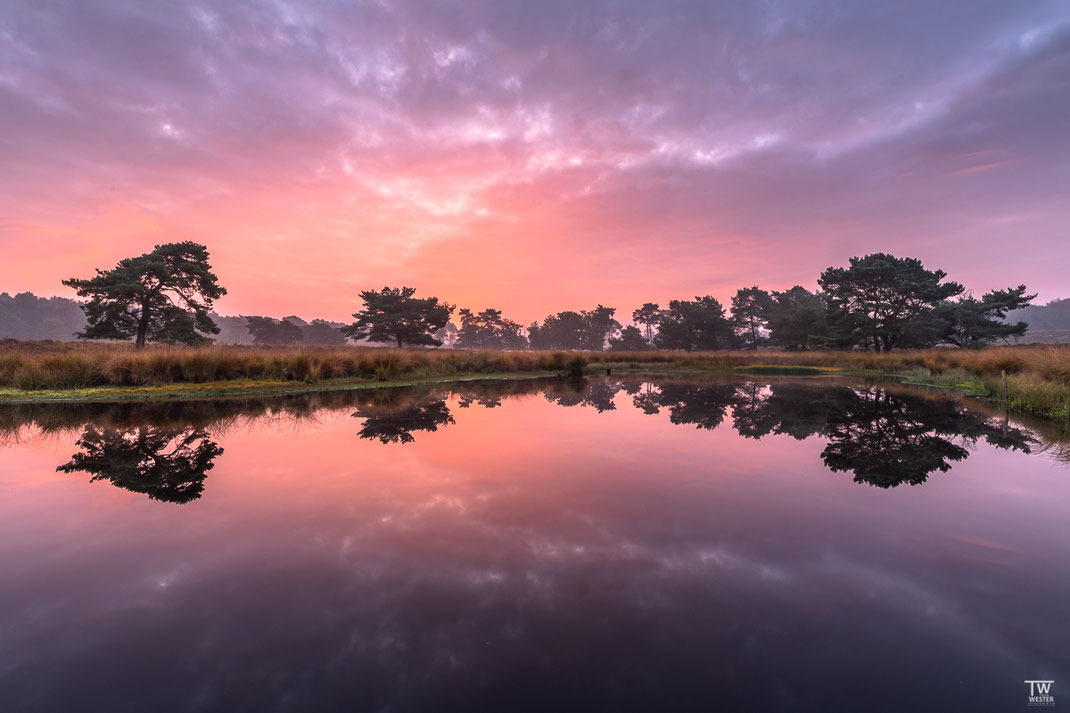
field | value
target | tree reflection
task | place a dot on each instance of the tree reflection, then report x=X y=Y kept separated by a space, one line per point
x=596 y=393
x=394 y=423
x=167 y=464
x=887 y=439
x=703 y=405
x=884 y=437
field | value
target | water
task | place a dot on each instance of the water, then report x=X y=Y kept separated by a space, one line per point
x=539 y=545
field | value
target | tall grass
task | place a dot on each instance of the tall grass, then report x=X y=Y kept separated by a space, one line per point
x=35 y=366
x=1038 y=377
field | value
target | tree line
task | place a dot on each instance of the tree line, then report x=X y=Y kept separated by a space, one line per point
x=878 y=302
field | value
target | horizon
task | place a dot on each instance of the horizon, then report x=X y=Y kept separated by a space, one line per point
x=624 y=315
x=530 y=159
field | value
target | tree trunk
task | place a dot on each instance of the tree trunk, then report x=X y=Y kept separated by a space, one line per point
x=142 y=327
x=399 y=342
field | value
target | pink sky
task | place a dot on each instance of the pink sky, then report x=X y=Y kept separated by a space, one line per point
x=534 y=157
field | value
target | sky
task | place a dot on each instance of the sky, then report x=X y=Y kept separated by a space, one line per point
x=534 y=156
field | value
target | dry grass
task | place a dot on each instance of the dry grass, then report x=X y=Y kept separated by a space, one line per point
x=1038 y=375
x=32 y=366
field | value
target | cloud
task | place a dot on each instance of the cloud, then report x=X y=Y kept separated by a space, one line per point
x=630 y=145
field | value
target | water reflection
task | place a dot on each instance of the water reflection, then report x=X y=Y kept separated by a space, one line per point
x=885 y=436
x=394 y=423
x=167 y=464
x=656 y=545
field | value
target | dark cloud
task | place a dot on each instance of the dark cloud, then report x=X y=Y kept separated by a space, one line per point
x=816 y=124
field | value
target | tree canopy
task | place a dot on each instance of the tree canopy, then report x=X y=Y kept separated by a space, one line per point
x=489 y=330
x=589 y=329
x=266 y=330
x=880 y=301
x=750 y=314
x=796 y=319
x=392 y=314
x=630 y=340
x=972 y=322
x=648 y=316
x=698 y=324
x=162 y=296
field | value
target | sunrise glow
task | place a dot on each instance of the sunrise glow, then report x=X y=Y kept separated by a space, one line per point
x=533 y=158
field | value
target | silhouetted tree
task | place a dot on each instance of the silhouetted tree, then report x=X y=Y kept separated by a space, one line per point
x=394 y=315
x=648 y=315
x=266 y=330
x=750 y=312
x=972 y=322
x=882 y=301
x=575 y=330
x=162 y=296
x=167 y=464
x=699 y=324
x=630 y=340
x=601 y=326
x=489 y=330
x=564 y=330
x=797 y=319
x=322 y=332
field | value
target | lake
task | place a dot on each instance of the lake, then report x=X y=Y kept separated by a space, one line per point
x=612 y=544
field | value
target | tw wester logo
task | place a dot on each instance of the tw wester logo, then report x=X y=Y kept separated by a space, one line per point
x=1040 y=693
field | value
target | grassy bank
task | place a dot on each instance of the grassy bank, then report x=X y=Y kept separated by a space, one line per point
x=1038 y=377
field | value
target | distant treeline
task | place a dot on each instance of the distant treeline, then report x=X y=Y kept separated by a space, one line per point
x=26 y=316
x=878 y=302
x=1054 y=316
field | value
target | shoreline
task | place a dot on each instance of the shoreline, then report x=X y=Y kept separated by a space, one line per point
x=229 y=388
x=1024 y=380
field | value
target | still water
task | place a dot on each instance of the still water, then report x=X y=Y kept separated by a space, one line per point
x=605 y=545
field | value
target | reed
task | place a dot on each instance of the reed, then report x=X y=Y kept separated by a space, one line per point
x=1038 y=376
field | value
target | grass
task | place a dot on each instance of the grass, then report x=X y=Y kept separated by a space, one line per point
x=1038 y=376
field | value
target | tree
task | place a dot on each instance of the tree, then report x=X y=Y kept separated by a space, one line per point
x=600 y=326
x=489 y=330
x=648 y=315
x=696 y=324
x=882 y=301
x=630 y=340
x=564 y=330
x=575 y=330
x=750 y=311
x=162 y=296
x=972 y=322
x=394 y=315
x=320 y=331
x=796 y=319
x=266 y=330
